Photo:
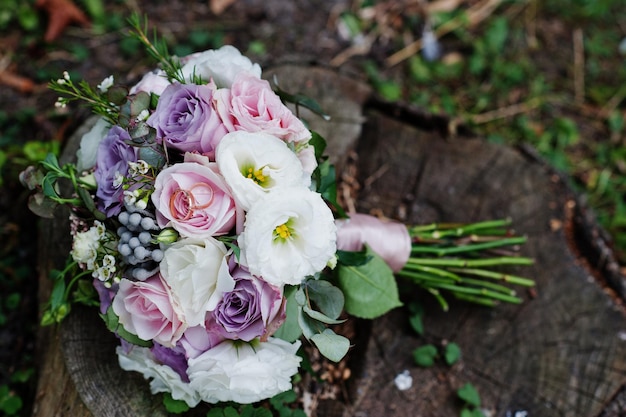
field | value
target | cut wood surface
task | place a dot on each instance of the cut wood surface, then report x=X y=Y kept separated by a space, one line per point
x=562 y=352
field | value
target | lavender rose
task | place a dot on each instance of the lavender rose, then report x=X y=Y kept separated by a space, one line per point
x=186 y=120
x=246 y=311
x=145 y=309
x=114 y=153
x=193 y=199
x=251 y=105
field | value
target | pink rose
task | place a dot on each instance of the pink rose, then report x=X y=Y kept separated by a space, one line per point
x=252 y=106
x=193 y=199
x=145 y=309
x=153 y=82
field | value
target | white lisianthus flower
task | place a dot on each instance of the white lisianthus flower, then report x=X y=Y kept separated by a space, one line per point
x=244 y=372
x=164 y=378
x=288 y=235
x=86 y=154
x=220 y=65
x=196 y=270
x=253 y=164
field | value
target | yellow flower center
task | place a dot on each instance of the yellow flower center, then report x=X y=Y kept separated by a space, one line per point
x=283 y=232
x=256 y=175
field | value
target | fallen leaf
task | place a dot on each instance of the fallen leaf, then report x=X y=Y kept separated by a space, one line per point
x=18 y=82
x=218 y=6
x=61 y=13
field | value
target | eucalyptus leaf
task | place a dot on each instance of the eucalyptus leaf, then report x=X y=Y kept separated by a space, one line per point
x=42 y=206
x=151 y=156
x=316 y=315
x=328 y=298
x=331 y=345
x=370 y=290
x=290 y=330
x=309 y=326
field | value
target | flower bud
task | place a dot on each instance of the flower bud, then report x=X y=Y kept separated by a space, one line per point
x=167 y=236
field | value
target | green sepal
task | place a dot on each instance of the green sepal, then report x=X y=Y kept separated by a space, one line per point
x=113 y=324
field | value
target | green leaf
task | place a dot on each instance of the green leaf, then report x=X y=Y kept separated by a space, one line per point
x=328 y=298
x=309 y=326
x=370 y=290
x=316 y=315
x=48 y=185
x=112 y=322
x=425 y=355
x=57 y=297
x=452 y=353
x=10 y=403
x=230 y=412
x=469 y=394
x=174 y=406
x=290 y=330
x=350 y=258
x=215 y=412
x=331 y=345
x=319 y=144
x=417 y=323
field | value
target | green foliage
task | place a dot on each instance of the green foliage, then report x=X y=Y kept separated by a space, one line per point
x=18 y=11
x=424 y=356
x=174 y=406
x=452 y=353
x=10 y=403
x=370 y=289
x=469 y=395
x=282 y=405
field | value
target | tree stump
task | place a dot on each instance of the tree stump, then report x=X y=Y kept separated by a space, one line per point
x=562 y=352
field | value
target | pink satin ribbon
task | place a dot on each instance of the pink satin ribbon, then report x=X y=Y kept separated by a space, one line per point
x=390 y=240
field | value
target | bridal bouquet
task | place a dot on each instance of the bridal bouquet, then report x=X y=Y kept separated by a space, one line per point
x=204 y=215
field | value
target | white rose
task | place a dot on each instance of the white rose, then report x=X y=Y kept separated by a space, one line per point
x=244 y=372
x=196 y=271
x=288 y=235
x=164 y=378
x=255 y=163
x=86 y=154
x=221 y=65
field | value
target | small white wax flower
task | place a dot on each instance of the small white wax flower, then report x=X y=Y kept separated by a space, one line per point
x=253 y=164
x=143 y=115
x=108 y=261
x=118 y=180
x=105 y=84
x=403 y=380
x=85 y=247
x=140 y=167
x=66 y=75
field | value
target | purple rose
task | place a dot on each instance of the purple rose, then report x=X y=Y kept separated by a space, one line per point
x=112 y=159
x=172 y=357
x=186 y=120
x=247 y=311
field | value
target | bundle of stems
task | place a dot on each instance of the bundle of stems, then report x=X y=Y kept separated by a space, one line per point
x=465 y=260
